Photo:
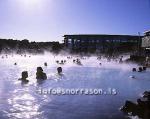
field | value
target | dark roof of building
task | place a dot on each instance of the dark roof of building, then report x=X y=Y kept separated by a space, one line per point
x=96 y=35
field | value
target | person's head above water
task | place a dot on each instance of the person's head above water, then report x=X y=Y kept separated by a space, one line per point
x=40 y=74
x=59 y=70
x=24 y=77
x=39 y=69
x=24 y=74
x=45 y=64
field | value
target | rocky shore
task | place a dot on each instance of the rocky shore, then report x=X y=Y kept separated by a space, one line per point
x=141 y=108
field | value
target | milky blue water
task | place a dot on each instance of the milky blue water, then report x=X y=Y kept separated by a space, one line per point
x=19 y=101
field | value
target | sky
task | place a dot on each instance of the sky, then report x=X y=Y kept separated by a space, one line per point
x=49 y=20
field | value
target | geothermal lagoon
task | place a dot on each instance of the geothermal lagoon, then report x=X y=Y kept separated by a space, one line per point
x=18 y=101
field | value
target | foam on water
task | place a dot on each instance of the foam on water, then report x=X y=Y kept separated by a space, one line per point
x=22 y=101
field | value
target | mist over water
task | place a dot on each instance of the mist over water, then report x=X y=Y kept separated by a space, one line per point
x=23 y=102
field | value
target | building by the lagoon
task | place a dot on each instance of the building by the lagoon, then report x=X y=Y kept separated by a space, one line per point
x=102 y=43
x=146 y=42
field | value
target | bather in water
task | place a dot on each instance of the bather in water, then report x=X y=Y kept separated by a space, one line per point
x=45 y=64
x=24 y=77
x=59 y=70
x=40 y=75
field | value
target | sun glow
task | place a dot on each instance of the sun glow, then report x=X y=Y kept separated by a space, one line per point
x=30 y=4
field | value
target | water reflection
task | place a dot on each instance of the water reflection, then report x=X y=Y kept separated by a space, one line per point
x=23 y=105
x=22 y=101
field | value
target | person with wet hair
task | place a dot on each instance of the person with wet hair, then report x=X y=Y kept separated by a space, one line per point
x=40 y=75
x=59 y=70
x=24 y=77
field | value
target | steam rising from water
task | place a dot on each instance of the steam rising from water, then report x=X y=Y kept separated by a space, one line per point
x=21 y=101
